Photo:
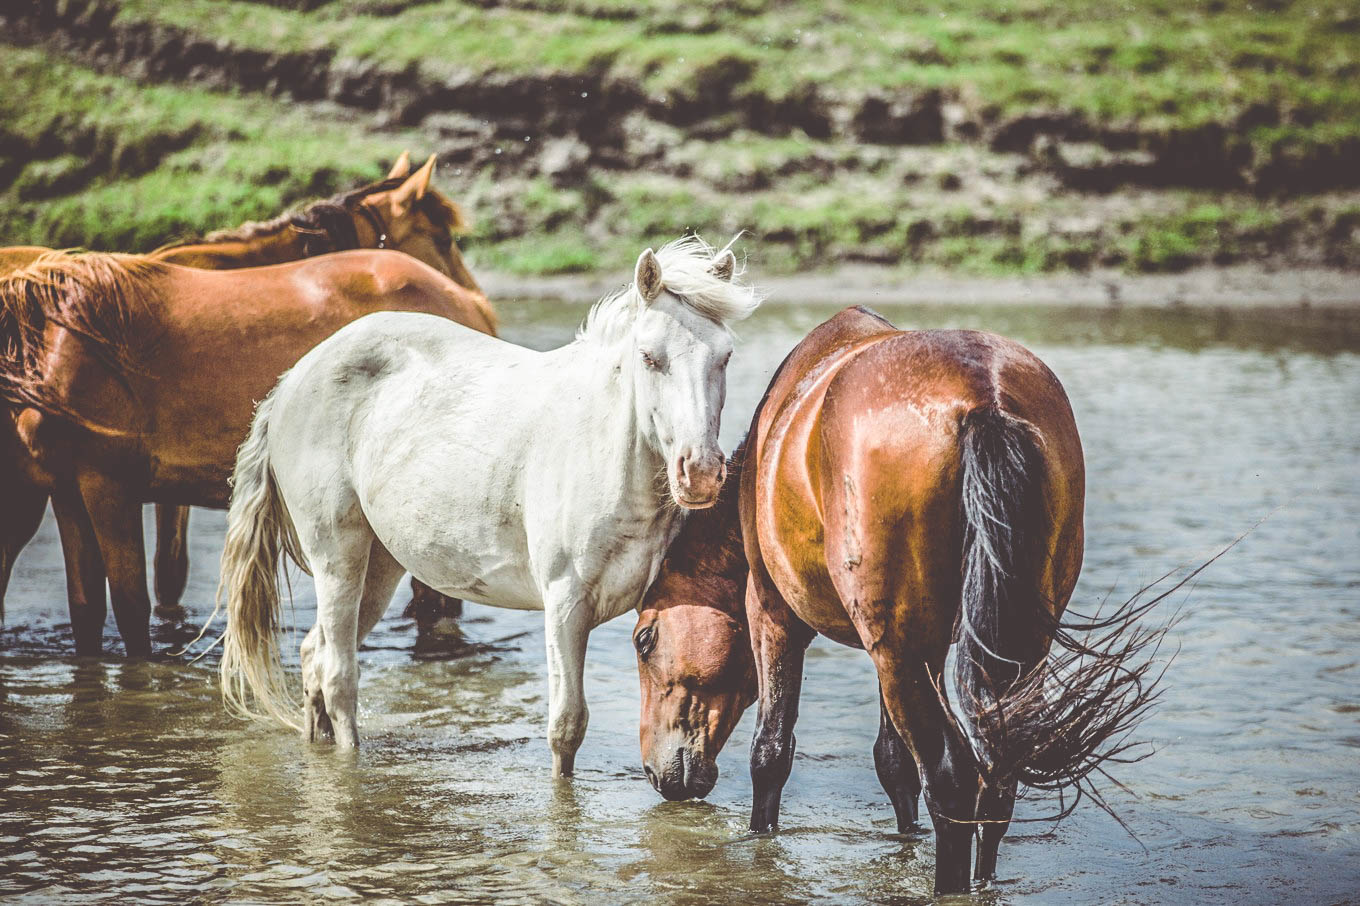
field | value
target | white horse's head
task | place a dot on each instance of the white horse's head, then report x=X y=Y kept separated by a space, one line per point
x=676 y=352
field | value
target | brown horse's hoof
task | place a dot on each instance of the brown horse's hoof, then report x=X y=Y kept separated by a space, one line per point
x=171 y=613
x=442 y=639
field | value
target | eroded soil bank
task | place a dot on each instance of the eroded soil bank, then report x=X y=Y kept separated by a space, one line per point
x=987 y=140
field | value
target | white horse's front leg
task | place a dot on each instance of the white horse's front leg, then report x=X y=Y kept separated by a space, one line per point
x=569 y=619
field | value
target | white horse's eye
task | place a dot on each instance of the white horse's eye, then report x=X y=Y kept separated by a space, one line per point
x=650 y=361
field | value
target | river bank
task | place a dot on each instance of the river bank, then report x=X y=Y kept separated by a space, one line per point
x=1237 y=288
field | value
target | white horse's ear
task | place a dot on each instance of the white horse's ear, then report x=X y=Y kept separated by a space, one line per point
x=724 y=265
x=648 y=276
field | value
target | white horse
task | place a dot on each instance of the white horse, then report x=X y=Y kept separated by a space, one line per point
x=520 y=479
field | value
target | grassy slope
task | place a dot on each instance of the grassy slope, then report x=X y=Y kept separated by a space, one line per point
x=165 y=161
x=1182 y=61
x=129 y=166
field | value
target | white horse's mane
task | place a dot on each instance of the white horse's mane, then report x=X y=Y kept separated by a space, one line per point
x=686 y=274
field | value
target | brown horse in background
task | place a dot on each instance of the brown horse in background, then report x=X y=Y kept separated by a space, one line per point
x=401 y=212
x=897 y=492
x=135 y=381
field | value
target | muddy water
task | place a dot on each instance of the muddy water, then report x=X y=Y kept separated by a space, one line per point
x=125 y=782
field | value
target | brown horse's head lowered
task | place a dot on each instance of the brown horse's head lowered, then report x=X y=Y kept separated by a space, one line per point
x=694 y=658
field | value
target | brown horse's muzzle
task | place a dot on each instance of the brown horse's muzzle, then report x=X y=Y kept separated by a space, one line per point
x=685 y=775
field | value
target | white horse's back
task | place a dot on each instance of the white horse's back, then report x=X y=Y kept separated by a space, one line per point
x=399 y=412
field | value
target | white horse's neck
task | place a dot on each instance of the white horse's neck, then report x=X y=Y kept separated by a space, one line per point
x=597 y=391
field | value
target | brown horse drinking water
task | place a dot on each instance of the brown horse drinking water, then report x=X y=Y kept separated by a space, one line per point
x=402 y=212
x=897 y=492
x=134 y=381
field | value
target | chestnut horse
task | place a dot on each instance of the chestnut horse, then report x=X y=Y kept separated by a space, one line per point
x=401 y=212
x=897 y=492
x=135 y=381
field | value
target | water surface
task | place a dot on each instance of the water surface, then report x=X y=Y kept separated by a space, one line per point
x=125 y=781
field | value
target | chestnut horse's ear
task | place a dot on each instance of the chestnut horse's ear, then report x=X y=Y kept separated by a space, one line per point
x=647 y=276
x=402 y=167
x=724 y=265
x=414 y=189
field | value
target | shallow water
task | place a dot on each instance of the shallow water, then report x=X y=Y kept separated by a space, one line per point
x=125 y=781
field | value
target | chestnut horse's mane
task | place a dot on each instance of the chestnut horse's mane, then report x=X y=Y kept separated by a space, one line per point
x=328 y=225
x=96 y=295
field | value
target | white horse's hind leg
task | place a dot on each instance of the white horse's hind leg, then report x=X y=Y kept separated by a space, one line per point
x=380 y=583
x=384 y=575
x=339 y=588
x=569 y=619
x=316 y=725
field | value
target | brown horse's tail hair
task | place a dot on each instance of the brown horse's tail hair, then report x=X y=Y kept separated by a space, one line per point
x=259 y=532
x=1047 y=720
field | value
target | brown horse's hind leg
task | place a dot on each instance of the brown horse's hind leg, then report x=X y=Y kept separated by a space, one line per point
x=892 y=542
x=897 y=771
x=951 y=776
x=172 y=560
x=779 y=640
x=84 y=572
x=117 y=519
x=994 y=810
x=26 y=504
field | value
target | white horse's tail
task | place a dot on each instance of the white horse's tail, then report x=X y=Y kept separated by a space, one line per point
x=259 y=530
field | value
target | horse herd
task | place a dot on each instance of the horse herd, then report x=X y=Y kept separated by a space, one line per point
x=916 y=494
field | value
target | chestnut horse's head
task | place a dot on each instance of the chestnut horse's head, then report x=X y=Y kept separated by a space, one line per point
x=405 y=213
x=694 y=656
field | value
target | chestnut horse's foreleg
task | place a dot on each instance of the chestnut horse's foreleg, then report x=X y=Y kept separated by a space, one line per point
x=172 y=560
x=897 y=770
x=779 y=640
x=84 y=571
x=994 y=809
x=117 y=519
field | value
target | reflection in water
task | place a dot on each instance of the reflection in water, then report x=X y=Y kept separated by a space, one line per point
x=125 y=782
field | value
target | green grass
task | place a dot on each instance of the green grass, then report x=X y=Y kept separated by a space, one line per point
x=550 y=253
x=153 y=163
x=1177 y=63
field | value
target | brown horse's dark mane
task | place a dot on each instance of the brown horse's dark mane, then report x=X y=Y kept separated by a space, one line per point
x=708 y=550
x=328 y=225
x=97 y=296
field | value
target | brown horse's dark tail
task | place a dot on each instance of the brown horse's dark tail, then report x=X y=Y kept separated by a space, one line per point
x=1045 y=720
